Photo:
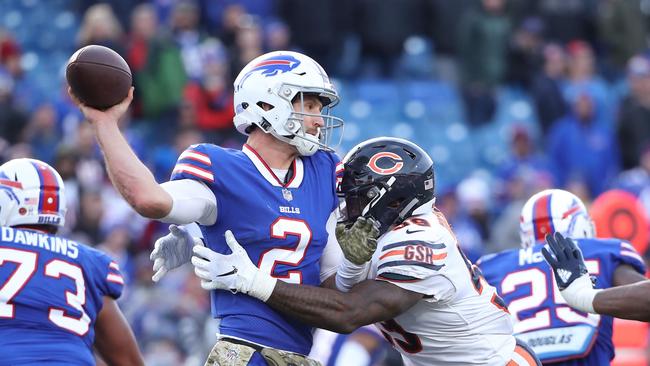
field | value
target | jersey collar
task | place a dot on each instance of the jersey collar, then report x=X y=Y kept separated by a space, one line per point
x=267 y=173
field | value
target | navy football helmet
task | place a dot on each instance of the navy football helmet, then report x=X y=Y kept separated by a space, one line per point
x=385 y=179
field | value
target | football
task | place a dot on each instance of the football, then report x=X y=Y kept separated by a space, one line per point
x=98 y=76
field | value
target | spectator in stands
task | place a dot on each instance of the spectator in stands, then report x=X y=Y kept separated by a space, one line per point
x=383 y=27
x=582 y=78
x=278 y=37
x=466 y=228
x=546 y=89
x=525 y=53
x=568 y=20
x=23 y=95
x=524 y=159
x=582 y=150
x=156 y=65
x=624 y=31
x=188 y=36
x=320 y=25
x=633 y=126
x=100 y=26
x=525 y=172
x=483 y=43
x=41 y=132
x=211 y=95
x=164 y=157
x=230 y=20
x=249 y=43
x=12 y=118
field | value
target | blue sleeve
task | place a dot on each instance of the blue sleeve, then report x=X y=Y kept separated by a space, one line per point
x=612 y=253
x=628 y=255
x=194 y=163
x=108 y=278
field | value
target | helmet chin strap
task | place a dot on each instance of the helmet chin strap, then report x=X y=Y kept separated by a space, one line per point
x=408 y=208
x=305 y=144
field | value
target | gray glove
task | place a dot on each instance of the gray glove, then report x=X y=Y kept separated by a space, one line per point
x=360 y=241
x=172 y=251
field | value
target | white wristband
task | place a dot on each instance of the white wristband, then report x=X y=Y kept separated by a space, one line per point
x=580 y=294
x=349 y=274
x=262 y=286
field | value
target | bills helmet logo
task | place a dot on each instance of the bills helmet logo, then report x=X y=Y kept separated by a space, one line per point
x=272 y=66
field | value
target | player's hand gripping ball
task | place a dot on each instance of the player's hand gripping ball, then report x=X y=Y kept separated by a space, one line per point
x=98 y=76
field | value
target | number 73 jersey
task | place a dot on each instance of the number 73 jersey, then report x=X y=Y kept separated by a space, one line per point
x=460 y=320
x=51 y=292
x=556 y=332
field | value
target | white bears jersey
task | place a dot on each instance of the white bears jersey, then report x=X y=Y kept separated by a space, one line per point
x=460 y=320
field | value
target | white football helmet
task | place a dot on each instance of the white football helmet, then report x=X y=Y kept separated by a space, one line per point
x=31 y=193
x=554 y=210
x=276 y=78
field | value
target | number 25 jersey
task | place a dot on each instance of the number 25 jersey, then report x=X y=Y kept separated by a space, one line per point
x=556 y=332
x=281 y=225
x=51 y=291
x=460 y=320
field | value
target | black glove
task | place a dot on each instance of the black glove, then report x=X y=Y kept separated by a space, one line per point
x=566 y=260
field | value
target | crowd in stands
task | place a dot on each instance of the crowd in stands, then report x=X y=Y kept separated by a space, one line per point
x=581 y=66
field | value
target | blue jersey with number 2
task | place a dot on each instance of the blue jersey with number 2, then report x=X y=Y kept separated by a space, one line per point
x=554 y=330
x=281 y=225
x=51 y=291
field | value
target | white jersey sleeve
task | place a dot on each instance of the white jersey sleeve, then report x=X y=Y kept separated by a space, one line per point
x=415 y=259
x=332 y=255
x=192 y=201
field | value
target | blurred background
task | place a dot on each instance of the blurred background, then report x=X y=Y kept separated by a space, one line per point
x=508 y=97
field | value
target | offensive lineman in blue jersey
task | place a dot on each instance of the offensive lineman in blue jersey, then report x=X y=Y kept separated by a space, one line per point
x=559 y=334
x=277 y=195
x=57 y=297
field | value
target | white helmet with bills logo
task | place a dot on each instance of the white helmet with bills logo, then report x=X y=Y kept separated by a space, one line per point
x=278 y=79
x=554 y=210
x=31 y=193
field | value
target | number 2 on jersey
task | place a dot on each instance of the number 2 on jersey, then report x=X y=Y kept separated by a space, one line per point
x=280 y=228
x=26 y=262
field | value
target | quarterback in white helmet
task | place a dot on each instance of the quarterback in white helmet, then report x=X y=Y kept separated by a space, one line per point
x=277 y=193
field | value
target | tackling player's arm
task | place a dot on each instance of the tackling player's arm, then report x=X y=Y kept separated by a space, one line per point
x=626 y=274
x=368 y=302
x=630 y=299
x=113 y=337
x=626 y=302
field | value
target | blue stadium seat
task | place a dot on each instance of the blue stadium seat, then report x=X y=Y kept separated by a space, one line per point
x=432 y=100
x=383 y=96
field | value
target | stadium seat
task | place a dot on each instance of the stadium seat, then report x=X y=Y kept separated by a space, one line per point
x=383 y=97
x=435 y=101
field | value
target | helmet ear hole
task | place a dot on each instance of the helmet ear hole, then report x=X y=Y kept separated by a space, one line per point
x=265 y=106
